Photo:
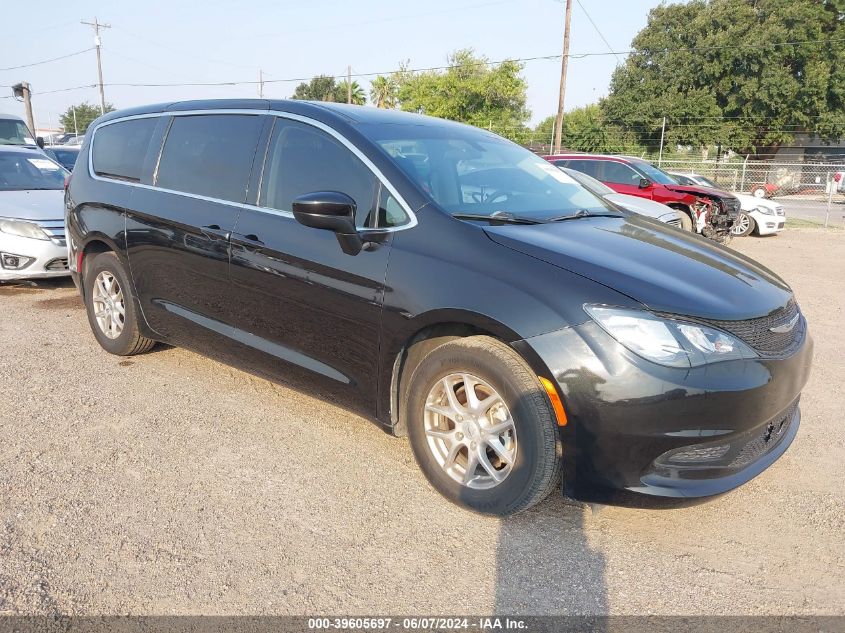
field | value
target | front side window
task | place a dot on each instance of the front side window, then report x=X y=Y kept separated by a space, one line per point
x=210 y=155
x=469 y=171
x=21 y=172
x=119 y=149
x=655 y=174
x=619 y=173
x=14 y=132
x=302 y=159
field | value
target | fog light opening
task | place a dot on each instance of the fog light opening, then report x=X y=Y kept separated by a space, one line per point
x=10 y=261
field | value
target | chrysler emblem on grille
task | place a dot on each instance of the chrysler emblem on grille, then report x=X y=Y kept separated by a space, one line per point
x=786 y=327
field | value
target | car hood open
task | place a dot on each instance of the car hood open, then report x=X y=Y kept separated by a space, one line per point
x=35 y=204
x=664 y=268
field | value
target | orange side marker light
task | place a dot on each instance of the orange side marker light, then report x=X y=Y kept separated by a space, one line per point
x=557 y=404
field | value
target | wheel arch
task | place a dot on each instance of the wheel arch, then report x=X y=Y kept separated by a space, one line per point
x=432 y=330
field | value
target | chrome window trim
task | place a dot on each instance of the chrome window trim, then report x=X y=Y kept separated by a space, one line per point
x=412 y=218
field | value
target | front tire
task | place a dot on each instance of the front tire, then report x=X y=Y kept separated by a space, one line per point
x=744 y=225
x=110 y=304
x=482 y=428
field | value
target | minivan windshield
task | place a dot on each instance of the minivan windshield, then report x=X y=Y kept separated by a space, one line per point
x=15 y=132
x=24 y=171
x=655 y=174
x=472 y=172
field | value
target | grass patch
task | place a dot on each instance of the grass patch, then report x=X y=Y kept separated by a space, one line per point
x=800 y=223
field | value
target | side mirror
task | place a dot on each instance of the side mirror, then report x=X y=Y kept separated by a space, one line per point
x=39 y=140
x=331 y=211
x=645 y=183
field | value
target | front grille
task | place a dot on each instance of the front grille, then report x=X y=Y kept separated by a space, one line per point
x=60 y=263
x=765 y=441
x=758 y=332
x=55 y=229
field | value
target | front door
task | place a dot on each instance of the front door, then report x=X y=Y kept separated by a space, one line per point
x=308 y=313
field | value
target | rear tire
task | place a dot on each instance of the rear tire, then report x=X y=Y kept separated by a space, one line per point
x=110 y=304
x=497 y=451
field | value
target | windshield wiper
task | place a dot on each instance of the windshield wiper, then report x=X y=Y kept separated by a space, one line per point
x=502 y=217
x=583 y=213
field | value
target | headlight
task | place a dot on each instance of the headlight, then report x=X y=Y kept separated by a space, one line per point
x=667 y=341
x=765 y=210
x=23 y=229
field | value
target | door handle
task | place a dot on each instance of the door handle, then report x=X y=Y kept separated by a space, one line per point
x=250 y=239
x=215 y=232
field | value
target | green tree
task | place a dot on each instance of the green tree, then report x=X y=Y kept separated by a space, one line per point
x=470 y=91
x=341 y=93
x=85 y=114
x=586 y=130
x=320 y=88
x=746 y=74
x=384 y=91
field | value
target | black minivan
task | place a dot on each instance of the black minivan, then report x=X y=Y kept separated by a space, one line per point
x=446 y=283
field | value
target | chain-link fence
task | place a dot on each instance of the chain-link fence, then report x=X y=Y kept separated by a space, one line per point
x=813 y=192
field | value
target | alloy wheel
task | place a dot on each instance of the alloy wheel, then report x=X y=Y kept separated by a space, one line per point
x=741 y=225
x=470 y=431
x=109 y=306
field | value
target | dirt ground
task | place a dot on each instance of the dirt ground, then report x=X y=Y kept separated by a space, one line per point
x=170 y=484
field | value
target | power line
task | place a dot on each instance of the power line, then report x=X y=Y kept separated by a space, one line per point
x=47 y=61
x=603 y=39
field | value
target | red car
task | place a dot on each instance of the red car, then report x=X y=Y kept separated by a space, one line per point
x=710 y=212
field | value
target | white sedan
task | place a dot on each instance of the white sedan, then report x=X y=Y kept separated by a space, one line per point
x=32 y=226
x=759 y=215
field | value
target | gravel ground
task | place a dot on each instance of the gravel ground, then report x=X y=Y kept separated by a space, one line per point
x=170 y=484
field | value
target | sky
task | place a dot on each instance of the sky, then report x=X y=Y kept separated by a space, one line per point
x=158 y=41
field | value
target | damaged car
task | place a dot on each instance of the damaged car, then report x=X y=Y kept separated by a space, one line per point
x=704 y=210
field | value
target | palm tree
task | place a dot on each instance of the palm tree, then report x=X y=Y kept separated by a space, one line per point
x=341 y=93
x=383 y=92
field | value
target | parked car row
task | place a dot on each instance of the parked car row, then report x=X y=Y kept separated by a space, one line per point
x=512 y=321
x=32 y=225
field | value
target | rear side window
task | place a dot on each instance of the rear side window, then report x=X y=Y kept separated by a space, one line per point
x=120 y=148
x=210 y=155
x=589 y=167
x=303 y=159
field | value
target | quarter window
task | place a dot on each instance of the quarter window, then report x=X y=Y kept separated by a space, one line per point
x=120 y=148
x=303 y=159
x=210 y=155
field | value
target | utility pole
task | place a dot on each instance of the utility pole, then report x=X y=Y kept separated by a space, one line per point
x=662 y=132
x=75 y=126
x=260 y=84
x=349 y=84
x=563 y=64
x=24 y=91
x=97 y=43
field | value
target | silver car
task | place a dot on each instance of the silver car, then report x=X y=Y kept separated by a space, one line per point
x=635 y=204
x=32 y=226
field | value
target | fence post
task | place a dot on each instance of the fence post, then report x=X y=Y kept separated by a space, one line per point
x=744 y=166
x=830 y=185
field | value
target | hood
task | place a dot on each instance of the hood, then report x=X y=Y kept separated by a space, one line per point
x=33 y=204
x=749 y=203
x=665 y=269
x=643 y=206
x=698 y=190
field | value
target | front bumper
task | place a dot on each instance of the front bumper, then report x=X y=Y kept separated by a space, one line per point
x=656 y=430
x=49 y=258
x=768 y=224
